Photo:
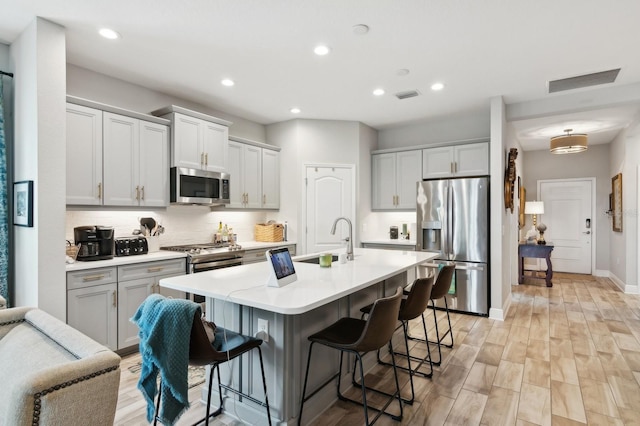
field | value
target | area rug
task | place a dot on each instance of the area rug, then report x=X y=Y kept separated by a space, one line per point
x=196 y=375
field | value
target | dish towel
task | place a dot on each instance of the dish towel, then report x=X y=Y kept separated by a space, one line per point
x=165 y=332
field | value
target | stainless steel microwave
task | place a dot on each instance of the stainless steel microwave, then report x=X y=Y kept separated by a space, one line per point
x=192 y=186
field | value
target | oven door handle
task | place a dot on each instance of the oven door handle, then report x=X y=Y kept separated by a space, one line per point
x=217 y=264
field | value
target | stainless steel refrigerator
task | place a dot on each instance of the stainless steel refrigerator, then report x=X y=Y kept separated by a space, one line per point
x=453 y=220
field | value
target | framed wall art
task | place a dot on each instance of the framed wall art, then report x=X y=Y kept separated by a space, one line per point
x=23 y=203
x=616 y=202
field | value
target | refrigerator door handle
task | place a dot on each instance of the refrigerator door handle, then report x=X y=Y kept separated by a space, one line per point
x=445 y=224
x=470 y=268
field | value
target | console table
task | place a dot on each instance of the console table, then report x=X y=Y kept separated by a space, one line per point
x=536 y=251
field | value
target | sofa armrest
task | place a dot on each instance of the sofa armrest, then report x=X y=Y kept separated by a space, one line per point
x=76 y=393
x=9 y=318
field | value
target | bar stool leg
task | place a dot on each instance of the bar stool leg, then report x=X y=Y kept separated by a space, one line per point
x=157 y=413
x=264 y=385
x=306 y=376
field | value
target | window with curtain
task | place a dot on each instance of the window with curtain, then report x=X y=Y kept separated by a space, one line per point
x=4 y=205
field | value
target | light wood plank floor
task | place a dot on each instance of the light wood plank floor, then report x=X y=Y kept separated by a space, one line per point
x=567 y=355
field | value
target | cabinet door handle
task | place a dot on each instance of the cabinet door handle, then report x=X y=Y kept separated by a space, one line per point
x=142 y=193
x=206 y=159
x=202 y=158
x=115 y=299
x=264 y=199
x=100 y=191
x=155 y=269
x=455 y=167
x=451 y=167
x=92 y=277
x=137 y=193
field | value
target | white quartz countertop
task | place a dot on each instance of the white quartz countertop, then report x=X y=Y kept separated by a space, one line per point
x=391 y=242
x=163 y=255
x=125 y=260
x=316 y=286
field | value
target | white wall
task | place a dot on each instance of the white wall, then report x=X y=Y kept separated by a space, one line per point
x=500 y=235
x=38 y=59
x=623 y=253
x=469 y=125
x=98 y=87
x=320 y=142
x=594 y=162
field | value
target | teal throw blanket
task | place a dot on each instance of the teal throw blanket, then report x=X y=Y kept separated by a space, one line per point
x=165 y=332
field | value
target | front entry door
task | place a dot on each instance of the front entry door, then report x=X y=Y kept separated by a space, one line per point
x=570 y=223
x=329 y=195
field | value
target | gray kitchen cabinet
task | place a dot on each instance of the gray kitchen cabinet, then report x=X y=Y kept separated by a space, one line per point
x=101 y=301
x=136 y=171
x=255 y=175
x=198 y=141
x=115 y=157
x=456 y=161
x=393 y=179
x=84 y=155
x=258 y=255
x=92 y=304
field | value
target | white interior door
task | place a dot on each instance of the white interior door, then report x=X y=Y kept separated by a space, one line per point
x=329 y=195
x=570 y=223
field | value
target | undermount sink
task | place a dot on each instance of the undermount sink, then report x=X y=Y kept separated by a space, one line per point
x=316 y=259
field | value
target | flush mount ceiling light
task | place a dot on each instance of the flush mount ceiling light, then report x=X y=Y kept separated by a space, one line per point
x=360 y=29
x=295 y=110
x=227 y=82
x=378 y=92
x=321 y=50
x=437 y=86
x=109 y=33
x=569 y=143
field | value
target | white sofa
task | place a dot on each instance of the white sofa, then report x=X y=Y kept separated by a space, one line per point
x=3 y=303
x=52 y=374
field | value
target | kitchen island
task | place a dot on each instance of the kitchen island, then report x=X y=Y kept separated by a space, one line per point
x=237 y=298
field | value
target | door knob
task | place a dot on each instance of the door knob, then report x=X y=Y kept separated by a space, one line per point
x=587 y=232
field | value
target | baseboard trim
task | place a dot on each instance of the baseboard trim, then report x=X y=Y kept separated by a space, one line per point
x=500 y=314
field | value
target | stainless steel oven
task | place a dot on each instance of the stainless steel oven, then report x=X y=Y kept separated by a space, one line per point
x=207 y=257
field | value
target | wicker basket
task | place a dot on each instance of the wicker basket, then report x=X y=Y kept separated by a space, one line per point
x=269 y=233
x=71 y=250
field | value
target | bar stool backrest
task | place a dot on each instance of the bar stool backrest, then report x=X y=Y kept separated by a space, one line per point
x=417 y=300
x=443 y=282
x=381 y=323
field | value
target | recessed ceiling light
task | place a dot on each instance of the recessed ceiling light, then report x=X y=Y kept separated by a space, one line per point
x=378 y=92
x=295 y=110
x=321 y=50
x=402 y=72
x=227 y=82
x=437 y=86
x=109 y=33
x=360 y=29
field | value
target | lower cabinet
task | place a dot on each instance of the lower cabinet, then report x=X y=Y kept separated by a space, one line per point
x=101 y=302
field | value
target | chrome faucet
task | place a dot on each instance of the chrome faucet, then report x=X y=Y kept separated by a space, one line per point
x=349 y=239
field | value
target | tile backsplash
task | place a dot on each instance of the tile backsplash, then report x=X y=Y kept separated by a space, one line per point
x=375 y=225
x=183 y=224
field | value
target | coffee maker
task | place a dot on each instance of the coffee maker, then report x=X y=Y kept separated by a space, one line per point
x=96 y=242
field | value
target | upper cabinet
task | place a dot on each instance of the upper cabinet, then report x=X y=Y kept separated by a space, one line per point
x=199 y=141
x=255 y=175
x=394 y=178
x=115 y=157
x=455 y=161
x=84 y=155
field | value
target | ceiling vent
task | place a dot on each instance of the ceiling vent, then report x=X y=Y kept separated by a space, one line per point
x=407 y=94
x=586 y=80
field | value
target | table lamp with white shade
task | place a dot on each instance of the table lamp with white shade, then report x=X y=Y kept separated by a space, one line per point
x=535 y=208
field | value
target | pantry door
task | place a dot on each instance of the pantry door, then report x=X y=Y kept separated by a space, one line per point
x=329 y=194
x=571 y=225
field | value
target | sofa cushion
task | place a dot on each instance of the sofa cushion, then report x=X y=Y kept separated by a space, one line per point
x=28 y=352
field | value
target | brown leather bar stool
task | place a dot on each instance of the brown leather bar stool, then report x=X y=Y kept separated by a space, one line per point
x=357 y=336
x=410 y=308
x=439 y=291
x=227 y=345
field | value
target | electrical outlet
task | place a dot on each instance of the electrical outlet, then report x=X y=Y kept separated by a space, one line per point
x=263 y=325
